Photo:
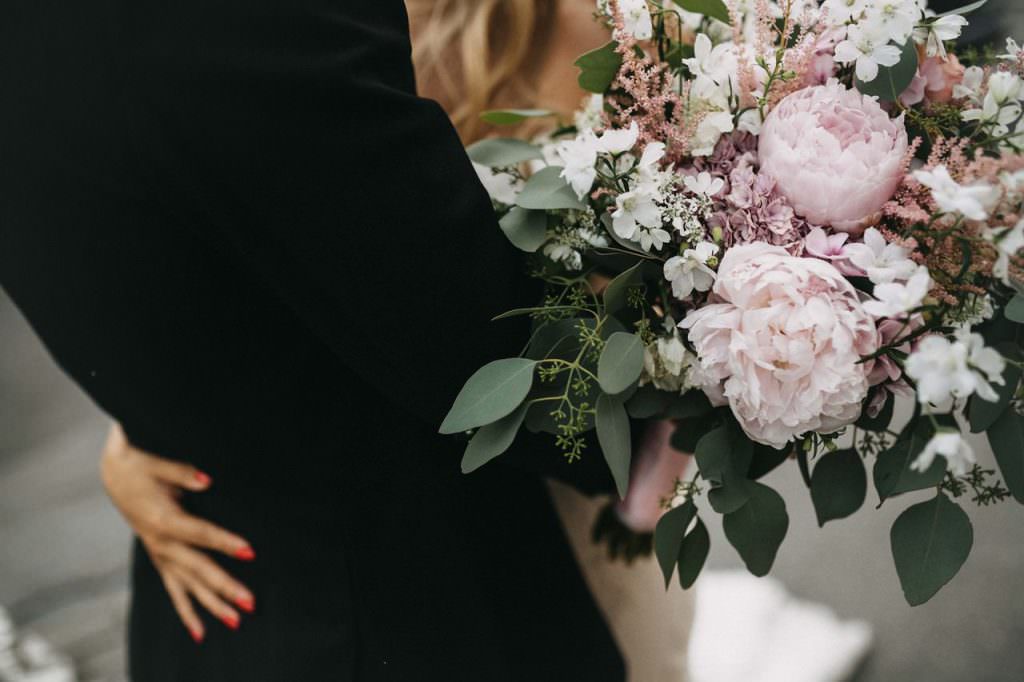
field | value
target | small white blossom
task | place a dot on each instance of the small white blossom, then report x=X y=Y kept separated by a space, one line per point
x=843 y=11
x=934 y=33
x=690 y=272
x=970 y=86
x=636 y=16
x=1009 y=243
x=945 y=369
x=869 y=48
x=951 y=445
x=973 y=201
x=893 y=19
x=895 y=298
x=883 y=262
x=620 y=140
x=704 y=184
x=638 y=218
x=717 y=63
x=579 y=161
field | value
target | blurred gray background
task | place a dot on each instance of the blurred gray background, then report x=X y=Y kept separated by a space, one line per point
x=64 y=550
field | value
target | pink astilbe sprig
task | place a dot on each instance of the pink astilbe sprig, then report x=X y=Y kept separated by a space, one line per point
x=645 y=95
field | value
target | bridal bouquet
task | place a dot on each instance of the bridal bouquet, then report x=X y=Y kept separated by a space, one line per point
x=806 y=209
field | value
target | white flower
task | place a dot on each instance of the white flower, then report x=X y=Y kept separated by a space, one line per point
x=1004 y=86
x=565 y=254
x=869 y=48
x=894 y=19
x=717 y=63
x=709 y=131
x=894 y=299
x=579 y=161
x=883 y=262
x=667 y=363
x=1000 y=106
x=638 y=217
x=970 y=86
x=637 y=18
x=619 y=141
x=934 y=33
x=1009 y=242
x=647 y=167
x=945 y=370
x=501 y=187
x=973 y=201
x=703 y=184
x=589 y=117
x=951 y=445
x=690 y=272
x=842 y=11
x=1013 y=50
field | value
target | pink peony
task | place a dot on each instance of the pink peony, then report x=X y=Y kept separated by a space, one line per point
x=836 y=155
x=781 y=342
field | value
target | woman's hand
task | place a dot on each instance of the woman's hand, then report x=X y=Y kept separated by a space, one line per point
x=146 y=490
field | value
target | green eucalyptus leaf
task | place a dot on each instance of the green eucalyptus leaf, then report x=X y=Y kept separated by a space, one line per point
x=930 y=542
x=983 y=414
x=893 y=80
x=599 y=67
x=647 y=402
x=723 y=455
x=616 y=293
x=492 y=440
x=1015 y=309
x=758 y=528
x=669 y=534
x=838 y=485
x=511 y=117
x=1006 y=436
x=526 y=229
x=692 y=554
x=621 y=362
x=493 y=392
x=715 y=9
x=765 y=460
x=892 y=473
x=547 y=190
x=614 y=437
x=502 y=152
x=729 y=496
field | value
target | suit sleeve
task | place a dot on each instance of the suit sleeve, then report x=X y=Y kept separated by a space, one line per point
x=364 y=214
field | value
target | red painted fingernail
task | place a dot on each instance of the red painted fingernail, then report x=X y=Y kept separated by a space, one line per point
x=231 y=621
x=203 y=479
x=197 y=636
x=245 y=604
x=245 y=554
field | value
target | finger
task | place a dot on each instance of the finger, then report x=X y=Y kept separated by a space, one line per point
x=213 y=603
x=205 y=571
x=183 y=605
x=177 y=474
x=192 y=530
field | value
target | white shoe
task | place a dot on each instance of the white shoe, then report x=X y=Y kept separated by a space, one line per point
x=749 y=629
x=29 y=658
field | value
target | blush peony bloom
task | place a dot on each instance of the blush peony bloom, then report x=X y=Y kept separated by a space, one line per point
x=782 y=344
x=836 y=155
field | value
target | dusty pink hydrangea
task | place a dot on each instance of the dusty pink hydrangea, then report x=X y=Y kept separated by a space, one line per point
x=836 y=154
x=755 y=211
x=781 y=342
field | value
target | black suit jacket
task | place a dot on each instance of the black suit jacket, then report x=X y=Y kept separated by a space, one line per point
x=237 y=227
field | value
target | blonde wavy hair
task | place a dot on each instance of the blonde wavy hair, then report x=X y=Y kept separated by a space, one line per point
x=477 y=55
